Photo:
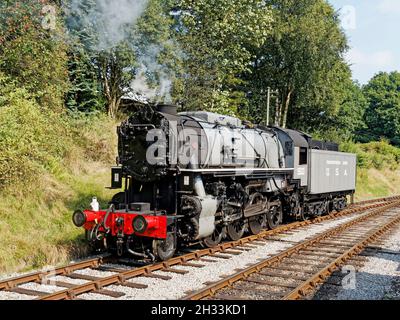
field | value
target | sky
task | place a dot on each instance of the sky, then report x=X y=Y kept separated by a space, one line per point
x=373 y=30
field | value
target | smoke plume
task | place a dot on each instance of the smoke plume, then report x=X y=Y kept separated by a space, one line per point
x=107 y=22
x=151 y=71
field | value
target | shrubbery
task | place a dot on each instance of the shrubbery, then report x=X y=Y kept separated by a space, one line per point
x=377 y=154
x=51 y=163
x=34 y=141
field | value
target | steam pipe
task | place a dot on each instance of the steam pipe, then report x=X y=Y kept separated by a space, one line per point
x=134 y=253
x=198 y=185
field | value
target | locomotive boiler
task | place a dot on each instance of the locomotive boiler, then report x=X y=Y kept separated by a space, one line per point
x=200 y=178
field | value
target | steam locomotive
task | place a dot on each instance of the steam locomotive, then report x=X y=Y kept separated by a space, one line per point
x=200 y=177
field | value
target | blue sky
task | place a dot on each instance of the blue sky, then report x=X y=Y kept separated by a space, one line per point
x=373 y=29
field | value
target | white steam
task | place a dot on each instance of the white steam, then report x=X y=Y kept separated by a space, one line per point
x=151 y=68
x=110 y=23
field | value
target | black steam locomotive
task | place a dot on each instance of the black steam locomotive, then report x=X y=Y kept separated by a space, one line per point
x=200 y=177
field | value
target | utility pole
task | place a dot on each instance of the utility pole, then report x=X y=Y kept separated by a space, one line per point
x=268 y=103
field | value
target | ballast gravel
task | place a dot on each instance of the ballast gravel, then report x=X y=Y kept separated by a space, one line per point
x=378 y=278
x=14 y=296
x=179 y=285
x=176 y=287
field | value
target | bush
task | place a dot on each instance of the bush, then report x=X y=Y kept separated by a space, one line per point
x=34 y=141
x=378 y=154
x=50 y=165
x=32 y=55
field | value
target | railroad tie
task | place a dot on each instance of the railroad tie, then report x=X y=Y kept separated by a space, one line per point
x=231 y=252
x=292 y=262
x=308 y=258
x=220 y=256
x=249 y=246
x=172 y=270
x=28 y=292
x=381 y=250
x=110 y=269
x=241 y=248
x=82 y=277
x=193 y=265
x=57 y=283
x=207 y=260
x=134 y=285
x=270 y=283
x=157 y=276
x=109 y=293
x=283 y=276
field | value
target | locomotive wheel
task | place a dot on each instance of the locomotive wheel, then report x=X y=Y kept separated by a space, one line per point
x=164 y=249
x=117 y=199
x=216 y=238
x=256 y=224
x=274 y=217
x=235 y=230
x=304 y=216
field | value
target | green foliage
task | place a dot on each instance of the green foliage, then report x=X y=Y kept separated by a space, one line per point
x=216 y=37
x=347 y=121
x=31 y=55
x=296 y=60
x=34 y=141
x=116 y=58
x=85 y=93
x=50 y=164
x=382 y=116
x=378 y=154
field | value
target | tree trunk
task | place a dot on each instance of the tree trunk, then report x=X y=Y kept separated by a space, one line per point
x=277 y=117
x=286 y=108
x=113 y=106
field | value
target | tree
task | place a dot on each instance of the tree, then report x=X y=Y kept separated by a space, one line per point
x=117 y=48
x=32 y=54
x=215 y=37
x=382 y=116
x=302 y=58
x=85 y=93
x=349 y=120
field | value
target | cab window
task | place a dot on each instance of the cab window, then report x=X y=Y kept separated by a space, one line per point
x=303 y=156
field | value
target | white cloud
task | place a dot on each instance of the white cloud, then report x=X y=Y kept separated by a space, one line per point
x=365 y=64
x=379 y=59
x=389 y=6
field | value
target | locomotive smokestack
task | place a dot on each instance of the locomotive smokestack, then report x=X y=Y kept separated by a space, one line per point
x=167 y=108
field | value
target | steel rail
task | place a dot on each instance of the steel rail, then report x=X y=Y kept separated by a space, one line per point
x=322 y=274
x=211 y=289
x=11 y=283
x=40 y=276
x=122 y=277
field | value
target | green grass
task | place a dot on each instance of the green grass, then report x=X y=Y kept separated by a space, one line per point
x=50 y=165
x=374 y=183
x=378 y=172
x=37 y=230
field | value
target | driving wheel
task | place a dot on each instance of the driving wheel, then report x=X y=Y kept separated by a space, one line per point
x=235 y=230
x=164 y=249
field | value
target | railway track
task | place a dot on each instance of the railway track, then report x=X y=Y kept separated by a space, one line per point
x=124 y=276
x=295 y=272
